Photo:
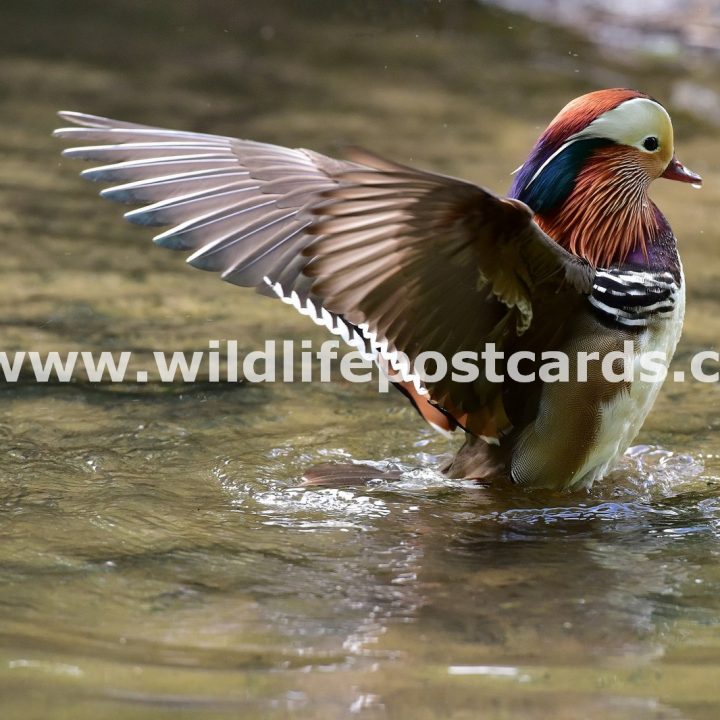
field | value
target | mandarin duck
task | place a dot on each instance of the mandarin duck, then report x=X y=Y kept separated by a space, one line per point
x=399 y=261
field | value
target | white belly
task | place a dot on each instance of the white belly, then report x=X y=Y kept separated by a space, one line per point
x=622 y=419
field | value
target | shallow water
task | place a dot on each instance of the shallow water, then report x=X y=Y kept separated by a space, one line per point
x=158 y=558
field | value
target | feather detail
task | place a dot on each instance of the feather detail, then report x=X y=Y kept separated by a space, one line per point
x=608 y=214
x=581 y=111
x=572 y=119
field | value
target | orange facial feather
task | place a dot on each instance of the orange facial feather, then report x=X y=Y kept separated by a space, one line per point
x=608 y=214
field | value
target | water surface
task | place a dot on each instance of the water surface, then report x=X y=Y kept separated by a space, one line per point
x=157 y=557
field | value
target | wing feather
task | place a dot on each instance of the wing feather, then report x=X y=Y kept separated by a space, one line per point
x=434 y=263
x=391 y=258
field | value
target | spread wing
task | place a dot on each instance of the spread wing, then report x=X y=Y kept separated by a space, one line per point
x=432 y=263
x=235 y=205
x=393 y=259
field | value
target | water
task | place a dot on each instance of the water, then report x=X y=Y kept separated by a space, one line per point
x=157 y=555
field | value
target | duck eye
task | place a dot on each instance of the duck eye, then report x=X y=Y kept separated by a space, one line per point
x=651 y=144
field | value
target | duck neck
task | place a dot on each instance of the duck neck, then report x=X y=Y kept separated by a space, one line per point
x=608 y=217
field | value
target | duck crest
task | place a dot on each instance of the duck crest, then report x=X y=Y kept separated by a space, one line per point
x=588 y=193
x=581 y=111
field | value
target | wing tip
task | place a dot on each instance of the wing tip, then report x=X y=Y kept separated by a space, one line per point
x=93 y=174
x=69 y=152
x=117 y=193
x=170 y=243
x=69 y=114
x=143 y=216
x=82 y=119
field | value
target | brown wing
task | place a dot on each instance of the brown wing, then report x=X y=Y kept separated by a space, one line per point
x=431 y=263
x=418 y=261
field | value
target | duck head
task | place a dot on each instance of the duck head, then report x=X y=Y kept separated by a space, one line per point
x=587 y=177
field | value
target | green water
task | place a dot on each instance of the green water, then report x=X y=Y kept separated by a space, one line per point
x=157 y=558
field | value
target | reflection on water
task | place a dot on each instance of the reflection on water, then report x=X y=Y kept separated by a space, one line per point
x=158 y=558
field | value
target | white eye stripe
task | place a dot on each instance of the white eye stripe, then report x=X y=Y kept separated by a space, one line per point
x=630 y=123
